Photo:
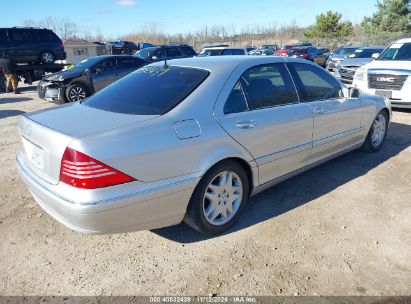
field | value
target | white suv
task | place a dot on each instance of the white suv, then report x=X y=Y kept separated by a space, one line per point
x=389 y=75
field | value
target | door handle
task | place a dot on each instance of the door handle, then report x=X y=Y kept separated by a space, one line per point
x=320 y=111
x=245 y=124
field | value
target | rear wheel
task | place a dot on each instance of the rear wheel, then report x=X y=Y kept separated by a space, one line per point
x=377 y=133
x=76 y=92
x=218 y=199
x=47 y=57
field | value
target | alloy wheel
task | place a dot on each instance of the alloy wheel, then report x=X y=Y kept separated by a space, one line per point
x=222 y=198
x=47 y=57
x=77 y=93
x=379 y=128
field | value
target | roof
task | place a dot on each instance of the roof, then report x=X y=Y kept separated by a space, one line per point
x=405 y=40
x=213 y=63
x=78 y=42
x=372 y=47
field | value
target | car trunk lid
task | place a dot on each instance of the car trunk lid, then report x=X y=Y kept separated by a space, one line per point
x=44 y=135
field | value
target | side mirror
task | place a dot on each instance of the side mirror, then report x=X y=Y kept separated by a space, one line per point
x=375 y=55
x=354 y=93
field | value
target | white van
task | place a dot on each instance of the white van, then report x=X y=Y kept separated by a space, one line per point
x=389 y=75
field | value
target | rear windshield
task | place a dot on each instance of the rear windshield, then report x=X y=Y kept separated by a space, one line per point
x=298 y=51
x=209 y=52
x=152 y=90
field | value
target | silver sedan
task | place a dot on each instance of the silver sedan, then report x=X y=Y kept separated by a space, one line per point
x=191 y=141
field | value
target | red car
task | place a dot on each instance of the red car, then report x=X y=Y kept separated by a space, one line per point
x=284 y=50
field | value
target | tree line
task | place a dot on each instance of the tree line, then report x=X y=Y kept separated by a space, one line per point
x=392 y=16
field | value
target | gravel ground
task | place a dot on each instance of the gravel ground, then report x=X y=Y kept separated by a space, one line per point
x=343 y=228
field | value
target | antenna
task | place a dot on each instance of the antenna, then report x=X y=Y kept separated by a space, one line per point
x=165 y=66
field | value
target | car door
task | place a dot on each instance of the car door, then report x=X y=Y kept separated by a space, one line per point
x=337 y=119
x=104 y=73
x=263 y=114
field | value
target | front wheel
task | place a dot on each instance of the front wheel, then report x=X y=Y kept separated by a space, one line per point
x=218 y=199
x=377 y=133
x=76 y=92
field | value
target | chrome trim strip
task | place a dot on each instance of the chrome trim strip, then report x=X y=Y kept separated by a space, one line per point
x=393 y=71
x=283 y=153
x=325 y=140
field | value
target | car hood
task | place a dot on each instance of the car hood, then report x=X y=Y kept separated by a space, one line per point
x=77 y=120
x=389 y=65
x=64 y=75
x=356 y=62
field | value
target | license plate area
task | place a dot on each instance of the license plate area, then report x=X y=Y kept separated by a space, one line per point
x=383 y=93
x=34 y=154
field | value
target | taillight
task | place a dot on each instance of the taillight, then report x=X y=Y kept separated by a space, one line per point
x=82 y=171
x=304 y=55
x=62 y=45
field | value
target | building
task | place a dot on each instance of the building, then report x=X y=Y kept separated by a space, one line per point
x=78 y=50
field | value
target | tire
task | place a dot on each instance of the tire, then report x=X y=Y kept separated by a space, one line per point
x=76 y=92
x=201 y=209
x=378 y=132
x=47 y=57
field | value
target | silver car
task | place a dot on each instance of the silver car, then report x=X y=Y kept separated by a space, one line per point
x=191 y=141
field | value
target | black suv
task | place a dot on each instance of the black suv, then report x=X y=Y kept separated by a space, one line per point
x=156 y=53
x=31 y=45
x=123 y=47
x=87 y=77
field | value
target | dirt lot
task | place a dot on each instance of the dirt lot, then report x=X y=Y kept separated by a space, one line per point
x=343 y=228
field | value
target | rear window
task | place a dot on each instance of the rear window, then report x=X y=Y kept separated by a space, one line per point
x=151 y=90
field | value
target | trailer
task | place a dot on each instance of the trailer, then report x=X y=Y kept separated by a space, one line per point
x=28 y=73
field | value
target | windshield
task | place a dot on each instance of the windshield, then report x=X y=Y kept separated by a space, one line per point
x=344 y=51
x=134 y=93
x=397 y=51
x=206 y=53
x=364 y=53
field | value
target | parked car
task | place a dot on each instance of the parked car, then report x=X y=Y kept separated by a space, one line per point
x=286 y=48
x=322 y=56
x=266 y=52
x=31 y=45
x=222 y=51
x=339 y=55
x=156 y=53
x=389 y=75
x=303 y=52
x=191 y=142
x=272 y=47
x=346 y=69
x=87 y=77
x=123 y=47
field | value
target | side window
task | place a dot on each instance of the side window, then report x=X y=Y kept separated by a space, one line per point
x=236 y=101
x=188 y=51
x=3 y=35
x=238 y=52
x=106 y=65
x=126 y=63
x=227 y=52
x=17 y=35
x=173 y=52
x=268 y=85
x=316 y=83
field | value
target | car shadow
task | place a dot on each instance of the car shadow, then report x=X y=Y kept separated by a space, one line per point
x=10 y=113
x=28 y=89
x=4 y=100
x=304 y=188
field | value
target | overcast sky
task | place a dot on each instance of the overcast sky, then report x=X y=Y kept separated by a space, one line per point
x=118 y=17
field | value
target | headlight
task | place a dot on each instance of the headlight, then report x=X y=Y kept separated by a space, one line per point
x=360 y=74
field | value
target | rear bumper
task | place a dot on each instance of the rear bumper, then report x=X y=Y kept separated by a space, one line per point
x=152 y=206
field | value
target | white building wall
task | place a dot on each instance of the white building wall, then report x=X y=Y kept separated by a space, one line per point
x=79 y=53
